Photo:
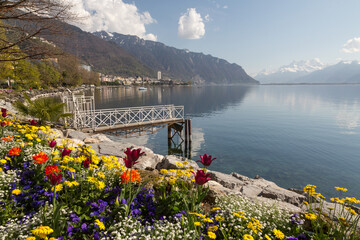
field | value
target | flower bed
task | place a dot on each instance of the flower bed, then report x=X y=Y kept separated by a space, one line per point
x=52 y=190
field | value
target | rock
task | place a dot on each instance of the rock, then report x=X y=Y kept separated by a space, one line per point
x=283 y=195
x=91 y=140
x=168 y=162
x=216 y=190
x=240 y=177
x=56 y=134
x=101 y=138
x=77 y=134
x=281 y=205
x=251 y=191
x=226 y=180
x=148 y=161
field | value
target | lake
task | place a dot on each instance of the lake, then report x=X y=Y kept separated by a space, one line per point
x=290 y=134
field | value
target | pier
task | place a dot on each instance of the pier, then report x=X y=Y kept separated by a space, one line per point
x=133 y=119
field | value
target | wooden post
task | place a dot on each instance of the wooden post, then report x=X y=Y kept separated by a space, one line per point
x=189 y=125
x=169 y=132
x=186 y=132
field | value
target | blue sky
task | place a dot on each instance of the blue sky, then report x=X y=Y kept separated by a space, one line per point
x=256 y=34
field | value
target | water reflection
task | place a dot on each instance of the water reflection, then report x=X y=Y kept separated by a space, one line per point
x=198 y=101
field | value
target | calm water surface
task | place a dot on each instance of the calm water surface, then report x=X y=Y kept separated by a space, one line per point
x=292 y=135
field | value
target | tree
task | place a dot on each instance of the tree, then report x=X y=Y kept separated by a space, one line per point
x=25 y=21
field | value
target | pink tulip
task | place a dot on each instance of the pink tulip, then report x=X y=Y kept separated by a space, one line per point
x=65 y=152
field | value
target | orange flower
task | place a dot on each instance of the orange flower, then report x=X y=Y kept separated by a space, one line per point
x=7 y=139
x=135 y=176
x=41 y=157
x=14 y=151
x=51 y=169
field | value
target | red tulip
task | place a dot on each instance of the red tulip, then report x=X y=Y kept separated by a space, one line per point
x=55 y=179
x=33 y=122
x=86 y=163
x=200 y=177
x=4 y=114
x=3 y=109
x=206 y=160
x=132 y=156
x=52 y=143
x=65 y=152
x=3 y=124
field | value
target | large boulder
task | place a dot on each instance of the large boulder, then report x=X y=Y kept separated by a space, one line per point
x=77 y=134
x=226 y=180
x=148 y=161
x=169 y=162
x=283 y=195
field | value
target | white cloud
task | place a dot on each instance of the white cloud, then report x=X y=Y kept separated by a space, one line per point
x=207 y=18
x=225 y=6
x=191 y=25
x=113 y=16
x=352 y=46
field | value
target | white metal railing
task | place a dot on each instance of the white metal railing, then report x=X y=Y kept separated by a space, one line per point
x=126 y=116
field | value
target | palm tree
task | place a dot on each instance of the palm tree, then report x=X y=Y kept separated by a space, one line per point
x=45 y=109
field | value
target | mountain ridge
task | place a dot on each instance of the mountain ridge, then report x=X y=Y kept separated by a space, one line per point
x=180 y=64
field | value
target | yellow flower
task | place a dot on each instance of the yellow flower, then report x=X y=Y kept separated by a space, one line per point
x=247 y=237
x=30 y=238
x=267 y=237
x=219 y=218
x=310 y=216
x=3 y=161
x=172 y=180
x=185 y=163
x=42 y=231
x=16 y=191
x=342 y=219
x=163 y=171
x=197 y=224
x=53 y=238
x=58 y=188
x=179 y=164
x=306 y=203
x=212 y=228
x=340 y=189
x=101 y=175
x=278 y=234
x=38 y=140
x=215 y=209
x=100 y=224
x=211 y=235
x=209 y=220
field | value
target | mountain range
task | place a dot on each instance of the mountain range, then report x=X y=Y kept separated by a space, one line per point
x=291 y=72
x=179 y=64
x=125 y=55
x=312 y=72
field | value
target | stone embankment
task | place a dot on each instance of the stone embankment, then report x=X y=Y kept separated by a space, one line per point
x=257 y=189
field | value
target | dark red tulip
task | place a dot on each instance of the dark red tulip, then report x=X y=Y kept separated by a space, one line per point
x=33 y=122
x=65 y=152
x=132 y=156
x=86 y=163
x=201 y=178
x=55 y=179
x=3 y=124
x=52 y=143
x=3 y=109
x=4 y=114
x=206 y=160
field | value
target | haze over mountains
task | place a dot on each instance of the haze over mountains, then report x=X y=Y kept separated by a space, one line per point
x=313 y=71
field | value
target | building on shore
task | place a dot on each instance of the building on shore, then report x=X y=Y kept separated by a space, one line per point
x=158 y=75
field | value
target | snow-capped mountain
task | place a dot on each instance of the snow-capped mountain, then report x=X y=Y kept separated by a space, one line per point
x=289 y=73
x=342 y=72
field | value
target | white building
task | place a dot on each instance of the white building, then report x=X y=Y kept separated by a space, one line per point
x=159 y=75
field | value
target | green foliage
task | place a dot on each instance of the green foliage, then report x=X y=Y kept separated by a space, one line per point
x=49 y=75
x=45 y=109
x=26 y=74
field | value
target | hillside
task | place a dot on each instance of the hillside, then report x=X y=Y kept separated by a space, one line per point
x=105 y=57
x=180 y=64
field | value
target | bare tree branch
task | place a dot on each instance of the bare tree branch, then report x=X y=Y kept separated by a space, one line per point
x=26 y=21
